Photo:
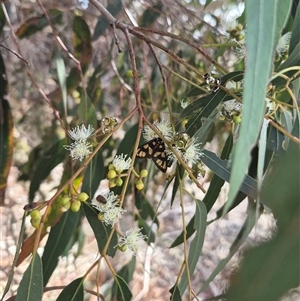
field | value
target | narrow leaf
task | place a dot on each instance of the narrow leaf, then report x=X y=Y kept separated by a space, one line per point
x=31 y=285
x=58 y=239
x=196 y=244
x=72 y=292
x=123 y=291
x=47 y=162
x=262 y=34
x=101 y=231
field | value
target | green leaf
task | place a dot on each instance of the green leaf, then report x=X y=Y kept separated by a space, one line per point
x=82 y=42
x=93 y=175
x=36 y=24
x=252 y=216
x=58 y=239
x=123 y=291
x=262 y=35
x=31 y=285
x=46 y=163
x=72 y=292
x=210 y=197
x=128 y=142
x=101 y=231
x=217 y=183
x=62 y=78
x=196 y=244
x=260 y=276
x=125 y=273
x=86 y=110
x=6 y=132
x=114 y=8
x=175 y=293
x=295 y=39
x=221 y=168
x=292 y=60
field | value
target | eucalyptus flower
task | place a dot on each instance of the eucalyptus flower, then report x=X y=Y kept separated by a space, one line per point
x=134 y=240
x=163 y=126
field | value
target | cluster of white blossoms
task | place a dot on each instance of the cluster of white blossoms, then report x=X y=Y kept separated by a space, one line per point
x=80 y=148
x=163 y=126
x=134 y=240
x=109 y=213
x=188 y=149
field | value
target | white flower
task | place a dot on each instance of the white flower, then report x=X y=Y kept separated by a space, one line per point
x=133 y=240
x=163 y=126
x=184 y=103
x=111 y=201
x=283 y=44
x=79 y=150
x=121 y=163
x=81 y=134
x=193 y=153
x=228 y=24
x=112 y=216
x=110 y=212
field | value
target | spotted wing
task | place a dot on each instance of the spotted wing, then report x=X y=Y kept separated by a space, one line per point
x=155 y=150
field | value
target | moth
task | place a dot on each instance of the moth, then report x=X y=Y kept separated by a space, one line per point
x=155 y=149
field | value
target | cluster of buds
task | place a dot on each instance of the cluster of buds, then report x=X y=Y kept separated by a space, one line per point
x=116 y=168
x=231 y=110
x=108 y=124
x=139 y=184
x=212 y=82
x=73 y=203
x=35 y=218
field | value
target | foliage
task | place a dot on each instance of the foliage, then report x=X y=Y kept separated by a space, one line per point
x=136 y=95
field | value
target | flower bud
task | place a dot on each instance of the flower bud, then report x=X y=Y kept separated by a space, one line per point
x=64 y=200
x=112 y=184
x=111 y=174
x=122 y=248
x=35 y=214
x=35 y=222
x=82 y=196
x=75 y=205
x=119 y=182
x=236 y=118
x=66 y=207
x=139 y=184
x=144 y=173
x=111 y=166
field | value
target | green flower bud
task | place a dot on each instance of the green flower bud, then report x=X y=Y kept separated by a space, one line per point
x=144 y=173
x=64 y=200
x=75 y=205
x=112 y=184
x=139 y=184
x=119 y=182
x=66 y=207
x=111 y=174
x=82 y=196
x=111 y=166
x=35 y=222
x=35 y=214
